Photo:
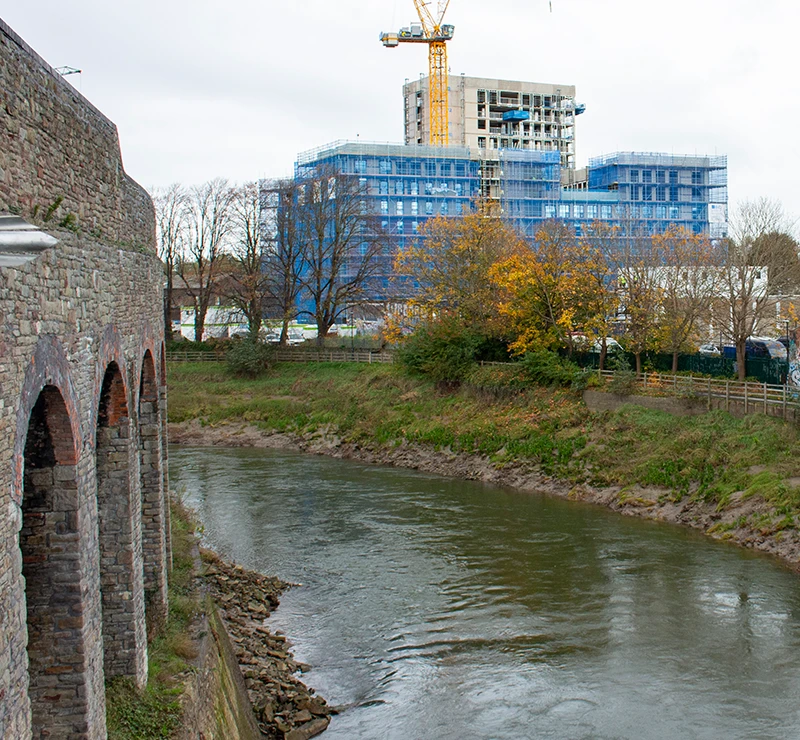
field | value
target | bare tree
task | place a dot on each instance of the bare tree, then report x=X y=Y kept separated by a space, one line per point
x=343 y=245
x=750 y=272
x=688 y=279
x=171 y=211
x=209 y=223
x=246 y=284
x=639 y=292
x=284 y=251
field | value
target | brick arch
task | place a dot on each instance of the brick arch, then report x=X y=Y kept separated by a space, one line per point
x=48 y=366
x=56 y=603
x=154 y=541
x=119 y=530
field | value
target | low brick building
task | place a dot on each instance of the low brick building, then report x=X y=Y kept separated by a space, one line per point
x=83 y=516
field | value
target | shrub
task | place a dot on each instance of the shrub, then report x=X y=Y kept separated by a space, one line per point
x=547 y=368
x=249 y=359
x=444 y=350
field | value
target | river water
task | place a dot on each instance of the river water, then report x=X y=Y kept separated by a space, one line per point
x=443 y=609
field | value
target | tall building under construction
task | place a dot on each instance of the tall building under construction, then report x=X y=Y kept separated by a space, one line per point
x=492 y=114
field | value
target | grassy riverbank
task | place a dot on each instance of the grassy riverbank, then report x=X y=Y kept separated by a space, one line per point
x=707 y=458
x=155 y=712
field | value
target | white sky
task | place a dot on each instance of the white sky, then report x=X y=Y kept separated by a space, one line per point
x=201 y=88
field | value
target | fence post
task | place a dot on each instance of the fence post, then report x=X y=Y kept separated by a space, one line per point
x=765 y=399
x=709 y=394
x=784 y=402
x=727 y=395
x=745 y=397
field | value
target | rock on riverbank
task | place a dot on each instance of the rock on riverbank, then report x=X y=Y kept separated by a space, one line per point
x=286 y=708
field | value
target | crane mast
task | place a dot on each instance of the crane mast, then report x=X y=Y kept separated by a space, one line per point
x=433 y=32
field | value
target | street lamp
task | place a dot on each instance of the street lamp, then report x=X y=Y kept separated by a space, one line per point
x=21 y=242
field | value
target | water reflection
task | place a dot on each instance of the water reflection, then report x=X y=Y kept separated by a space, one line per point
x=448 y=609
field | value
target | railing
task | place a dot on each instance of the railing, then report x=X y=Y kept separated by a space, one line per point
x=295 y=355
x=335 y=355
x=754 y=396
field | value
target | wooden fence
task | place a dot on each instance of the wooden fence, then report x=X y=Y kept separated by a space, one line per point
x=288 y=354
x=753 y=397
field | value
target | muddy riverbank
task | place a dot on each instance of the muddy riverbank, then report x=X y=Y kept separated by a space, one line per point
x=745 y=521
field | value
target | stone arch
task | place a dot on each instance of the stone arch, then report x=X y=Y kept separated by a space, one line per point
x=57 y=615
x=120 y=537
x=154 y=545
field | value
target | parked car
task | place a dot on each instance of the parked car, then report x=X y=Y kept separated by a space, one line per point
x=709 y=350
x=759 y=347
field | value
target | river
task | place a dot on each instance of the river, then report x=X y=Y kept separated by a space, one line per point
x=451 y=610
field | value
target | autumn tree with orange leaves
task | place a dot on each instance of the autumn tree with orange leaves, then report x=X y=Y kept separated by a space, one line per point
x=546 y=291
x=449 y=267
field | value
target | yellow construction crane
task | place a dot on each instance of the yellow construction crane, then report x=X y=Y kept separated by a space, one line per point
x=435 y=34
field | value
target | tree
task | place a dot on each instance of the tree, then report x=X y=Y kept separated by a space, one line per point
x=602 y=299
x=284 y=255
x=342 y=245
x=638 y=260
x=688 y=281
x=208 y=226
x=449 y=265
x=752 y=272
x=170 y=204
x=545 y=288
x=246 y=287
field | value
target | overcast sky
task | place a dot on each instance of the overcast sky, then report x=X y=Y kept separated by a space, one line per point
x=238 y=88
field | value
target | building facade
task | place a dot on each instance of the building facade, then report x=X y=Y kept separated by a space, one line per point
x=643 y=193
x=496 y=114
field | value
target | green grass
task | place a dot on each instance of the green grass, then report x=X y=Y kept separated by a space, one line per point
x=707 y=457
x=155 y=712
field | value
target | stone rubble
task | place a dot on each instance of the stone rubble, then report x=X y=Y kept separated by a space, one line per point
x=285 y=708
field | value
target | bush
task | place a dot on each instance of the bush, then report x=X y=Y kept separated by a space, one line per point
x=444 y=350
x=249 y=359
x=547 y=368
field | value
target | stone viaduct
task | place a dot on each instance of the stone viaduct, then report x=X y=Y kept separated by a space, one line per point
x=83 y=519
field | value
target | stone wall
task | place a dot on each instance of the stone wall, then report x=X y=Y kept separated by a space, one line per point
x=60 y=159
x=82 y=404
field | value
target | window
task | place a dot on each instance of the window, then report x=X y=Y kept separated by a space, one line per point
x=697 y=177
x=674 y=212
x=661 y=192
x=634 y=175
x=385 y=166
x=458 y=187
x=415 y=226
x=429 y=207
x=647 y=176
x=398 y=187
x=414 y=207
x=578 y=210
x=697 y=193
x=445 y=168
x=384 y=206
x=482 y=125
x=647 y=192
x=430 y=169
x=401 y=227
x=661 y=212
x=563 y=211
x=549 y=211
x=398 y=206
x=481 y=142
x=635 y=194
x=673 y=177
x=361 y=166
x=428 y=188
x=384 y=187
x=605 y=211
x=673 y=193
x=443 y=210
x=660 y=176
x=414 y=187
x=591 y=211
